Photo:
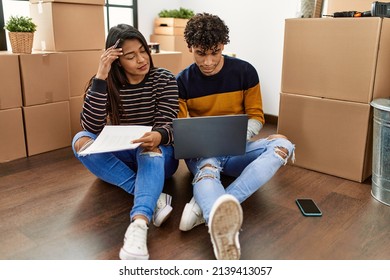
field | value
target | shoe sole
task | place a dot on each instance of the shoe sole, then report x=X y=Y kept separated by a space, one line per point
x=184 y=225
x=163 y=215
x=124 y=255
x=225 y=223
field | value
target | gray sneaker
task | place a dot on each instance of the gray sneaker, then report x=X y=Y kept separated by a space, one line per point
x=191 y=217
x=163 y=209
x=224 y=225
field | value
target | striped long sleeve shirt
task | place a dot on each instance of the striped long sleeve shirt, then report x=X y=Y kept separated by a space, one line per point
x=153 y=102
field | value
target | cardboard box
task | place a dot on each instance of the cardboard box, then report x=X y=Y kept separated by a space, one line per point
x=45 y=78
x=337 y=58
x=47 y=127
x=76 y=106
x=68 y=27
x=330 y=136
x=11 y=91
x=163 y=30
x=170 y=42
x=174 y=43
x=90 y=2
x=169 y=26
x=382 y=73
x=168 y=60
x=348 y=5
x=82 y=66
x=170 y=22
x=12 y=143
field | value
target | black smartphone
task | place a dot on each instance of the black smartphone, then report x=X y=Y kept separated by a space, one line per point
x=308 y=207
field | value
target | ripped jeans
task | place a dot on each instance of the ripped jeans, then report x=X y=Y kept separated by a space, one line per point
x=251 y=170
x=141 y=174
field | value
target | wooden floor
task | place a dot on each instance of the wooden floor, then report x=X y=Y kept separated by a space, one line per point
x=51 y=207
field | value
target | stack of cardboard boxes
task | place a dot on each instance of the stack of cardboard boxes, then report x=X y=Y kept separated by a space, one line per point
x=74 y=28
x=12 y=140
x=44 y=90
x=169 y=33
x=68 y=43
x=332 y=70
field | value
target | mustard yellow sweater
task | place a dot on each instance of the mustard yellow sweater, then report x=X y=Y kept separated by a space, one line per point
x=234 y=90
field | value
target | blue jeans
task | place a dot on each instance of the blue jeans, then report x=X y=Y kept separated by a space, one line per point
x=139 y=173
x=252 y=170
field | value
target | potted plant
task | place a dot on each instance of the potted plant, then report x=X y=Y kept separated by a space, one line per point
x=172 y=22
x=21 y=33
x=180 y=13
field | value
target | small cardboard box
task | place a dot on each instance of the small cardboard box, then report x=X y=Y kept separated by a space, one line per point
x=337 y=58
x=68 y=27
x=174 y=43
x=168 y=60
x=12 y=142
x=45 y=78
x=169 y=26
x=330 y=136
x=76 y=106
x=47 y=127
x=170 y=42
x=90 y=2
x=162 y=30
x=170 y=22
x=382 y=73
x=82 y=66
x=348 y=5
x=11 y=91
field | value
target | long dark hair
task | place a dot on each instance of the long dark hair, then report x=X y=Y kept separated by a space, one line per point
x=117 y=77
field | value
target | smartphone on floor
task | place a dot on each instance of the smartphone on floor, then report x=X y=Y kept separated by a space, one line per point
x=308 y=207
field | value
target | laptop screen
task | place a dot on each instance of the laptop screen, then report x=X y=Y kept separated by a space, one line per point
x=210 y=136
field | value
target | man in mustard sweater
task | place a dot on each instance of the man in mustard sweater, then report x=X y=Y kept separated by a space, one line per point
x=216 y=85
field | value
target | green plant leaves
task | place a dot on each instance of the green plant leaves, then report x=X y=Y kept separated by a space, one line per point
x=181 y=13
x=20 y=24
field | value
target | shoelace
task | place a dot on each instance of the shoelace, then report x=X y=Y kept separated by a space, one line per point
x=136 y=235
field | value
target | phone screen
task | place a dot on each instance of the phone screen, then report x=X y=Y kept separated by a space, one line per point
x=308 y=207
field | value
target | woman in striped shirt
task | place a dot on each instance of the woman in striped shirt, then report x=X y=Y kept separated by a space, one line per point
x=128 y=90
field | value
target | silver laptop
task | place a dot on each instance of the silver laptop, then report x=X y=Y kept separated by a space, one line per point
x=210 y=136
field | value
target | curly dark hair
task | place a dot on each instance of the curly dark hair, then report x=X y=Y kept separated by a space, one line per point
x=206 y=31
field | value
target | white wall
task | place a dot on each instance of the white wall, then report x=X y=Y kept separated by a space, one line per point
x=256 y=33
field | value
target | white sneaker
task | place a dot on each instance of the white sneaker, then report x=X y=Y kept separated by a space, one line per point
x=191 y=217
x=134 y=247
x=224 y=224
x=163 y=209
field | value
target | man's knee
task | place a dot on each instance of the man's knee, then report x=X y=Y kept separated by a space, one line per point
x=280 y=150
x=207 y=171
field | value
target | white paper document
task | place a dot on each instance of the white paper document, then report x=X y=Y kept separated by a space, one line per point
x=116 y=138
